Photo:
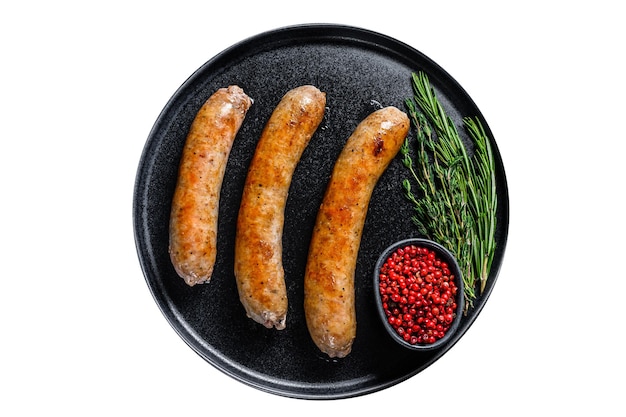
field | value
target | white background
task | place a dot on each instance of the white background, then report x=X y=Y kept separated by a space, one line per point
x=81 y=84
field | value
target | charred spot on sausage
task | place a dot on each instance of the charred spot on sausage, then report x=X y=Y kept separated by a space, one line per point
x=379 y=145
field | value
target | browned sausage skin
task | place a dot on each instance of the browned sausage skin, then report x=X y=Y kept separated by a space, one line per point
x=329 y=276
x=258 y=244
x=195 y=205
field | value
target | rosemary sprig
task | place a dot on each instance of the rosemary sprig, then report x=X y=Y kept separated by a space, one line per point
x=457 y=193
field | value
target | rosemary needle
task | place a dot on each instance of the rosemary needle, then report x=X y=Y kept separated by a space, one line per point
x=457 y=201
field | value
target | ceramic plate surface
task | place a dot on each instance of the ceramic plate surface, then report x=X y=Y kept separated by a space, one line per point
x=359 y=71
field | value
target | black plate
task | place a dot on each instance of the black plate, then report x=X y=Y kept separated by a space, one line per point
x=360 y=71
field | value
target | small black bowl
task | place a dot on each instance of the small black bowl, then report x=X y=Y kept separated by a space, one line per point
x=442 y=254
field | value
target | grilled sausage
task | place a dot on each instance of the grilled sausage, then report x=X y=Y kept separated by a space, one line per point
x=258 y=244
x=195 y=205
x=329 y=299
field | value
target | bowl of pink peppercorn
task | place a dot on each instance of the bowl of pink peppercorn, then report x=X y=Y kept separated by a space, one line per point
x=419 y=293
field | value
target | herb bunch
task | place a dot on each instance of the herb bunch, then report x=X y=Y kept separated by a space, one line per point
x=457 y=201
